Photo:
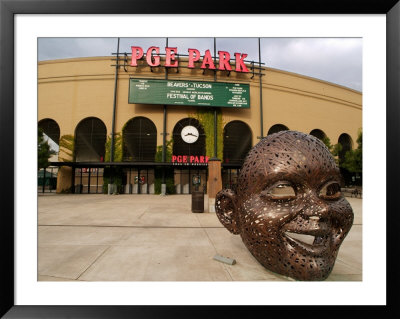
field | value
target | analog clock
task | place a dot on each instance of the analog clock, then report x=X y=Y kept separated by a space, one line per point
x=189 y=134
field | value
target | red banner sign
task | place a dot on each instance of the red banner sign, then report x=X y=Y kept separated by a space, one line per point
x=153 y=59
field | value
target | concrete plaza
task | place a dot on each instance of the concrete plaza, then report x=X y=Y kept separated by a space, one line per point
x=155 y=238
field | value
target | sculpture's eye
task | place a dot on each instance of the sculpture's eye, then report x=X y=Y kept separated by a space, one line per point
x=280 y=191
x=330 y=190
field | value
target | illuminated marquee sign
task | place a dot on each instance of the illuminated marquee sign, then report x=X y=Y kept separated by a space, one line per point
x=186 y=160
x=153 y=59
x=174 y=92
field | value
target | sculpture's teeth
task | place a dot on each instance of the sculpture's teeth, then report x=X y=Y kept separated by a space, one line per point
x=307 y=239
x=318 y=240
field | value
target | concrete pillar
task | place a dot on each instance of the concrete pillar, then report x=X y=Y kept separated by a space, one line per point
x=64 y=179
x=214 y=183
x=163 y=189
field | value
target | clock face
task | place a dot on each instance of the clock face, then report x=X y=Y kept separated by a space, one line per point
x=190 y=134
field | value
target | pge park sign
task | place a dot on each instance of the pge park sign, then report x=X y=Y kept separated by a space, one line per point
x=153 y=59
x=186 y=160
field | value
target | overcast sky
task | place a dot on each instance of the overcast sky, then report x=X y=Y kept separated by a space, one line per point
x=337 y=60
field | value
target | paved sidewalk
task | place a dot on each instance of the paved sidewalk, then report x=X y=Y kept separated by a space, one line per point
x=155 y=238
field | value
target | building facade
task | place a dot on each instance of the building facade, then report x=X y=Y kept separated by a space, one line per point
x=87 y=106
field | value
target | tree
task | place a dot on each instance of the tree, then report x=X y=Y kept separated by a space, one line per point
x=353 y=158
x=334 y=149
x=168 y=151
x=44 y=151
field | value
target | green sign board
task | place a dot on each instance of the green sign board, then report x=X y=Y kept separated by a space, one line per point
x=171 y=92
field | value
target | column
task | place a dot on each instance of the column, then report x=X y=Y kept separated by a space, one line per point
x=214 y=183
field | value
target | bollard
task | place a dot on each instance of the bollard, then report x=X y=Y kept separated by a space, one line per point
x=225 y=260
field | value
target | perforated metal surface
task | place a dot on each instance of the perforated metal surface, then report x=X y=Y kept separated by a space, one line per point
x=180 y=147
x=90 y=139
x=237 y=142
x=277 y=128
x=345 y=142
x=288 y=207
x=51 y=129
x=318 y=134
x=140 y=140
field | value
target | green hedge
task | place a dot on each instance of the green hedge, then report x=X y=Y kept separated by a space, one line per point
x=169 y=180
x=206 y=119
x=117 y=148
x=114 y=175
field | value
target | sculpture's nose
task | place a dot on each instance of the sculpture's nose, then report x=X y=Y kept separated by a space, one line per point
x=316 y=208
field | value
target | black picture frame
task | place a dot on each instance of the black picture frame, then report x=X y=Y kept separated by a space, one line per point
x=8 y=10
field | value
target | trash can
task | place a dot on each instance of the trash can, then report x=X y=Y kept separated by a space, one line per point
x=197 y=202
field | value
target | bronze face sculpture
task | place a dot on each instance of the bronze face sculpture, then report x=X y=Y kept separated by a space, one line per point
x=288 y=207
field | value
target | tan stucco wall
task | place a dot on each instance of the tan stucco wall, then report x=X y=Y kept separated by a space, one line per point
x=71 y=90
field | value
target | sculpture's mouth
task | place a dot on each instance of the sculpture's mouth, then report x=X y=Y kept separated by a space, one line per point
x=313 y=242
x=302 y=238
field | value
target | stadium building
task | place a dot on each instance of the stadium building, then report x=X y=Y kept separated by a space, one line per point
x=174 y=122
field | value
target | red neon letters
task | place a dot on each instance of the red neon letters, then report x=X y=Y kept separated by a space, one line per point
x=185 y=159
x=194 y=55
x=153 y=59
x=224 y=58
x=170 y=56
x=240 y=67
x=208 y=60
x=137 y=54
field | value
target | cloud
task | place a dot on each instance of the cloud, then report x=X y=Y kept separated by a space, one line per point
x=62 y=48
x=337 y=60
